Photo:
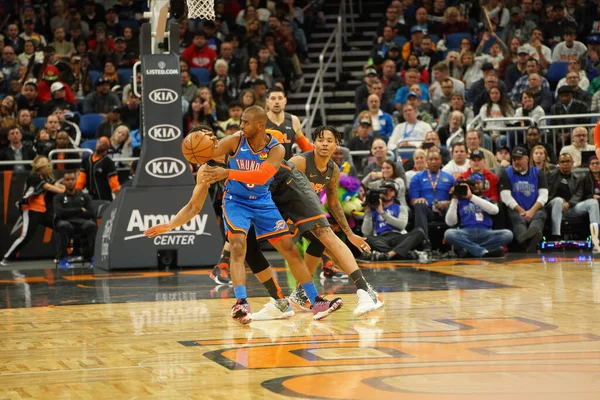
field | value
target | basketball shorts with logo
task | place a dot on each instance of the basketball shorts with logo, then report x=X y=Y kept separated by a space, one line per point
x=298 y=203
x=240 y=214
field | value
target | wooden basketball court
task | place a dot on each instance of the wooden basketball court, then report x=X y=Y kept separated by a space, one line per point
x=510 y=328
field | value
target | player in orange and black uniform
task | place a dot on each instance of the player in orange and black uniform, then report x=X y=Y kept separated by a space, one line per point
x=33 y=204
x=98 y=173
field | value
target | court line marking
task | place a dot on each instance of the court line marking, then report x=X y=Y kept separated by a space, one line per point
x=69 y=370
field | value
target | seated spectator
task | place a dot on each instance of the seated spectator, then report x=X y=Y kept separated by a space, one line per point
x=471 y=69
x=120 y=146
x=222 y=99
x=413 y=62
x=557 y=24
x=270 y=62
x=384 y=226
x=380 y=49
x=74 y=212
x=447 y=93
x=345 y=166
x=111 y=121
x=477 y=166
x=248 y=98
x=411 y=77
x=540 y=159
x=453 y=22
x=570 y=196
x=381 y=122
x=430 y=194
x=188 y=89
x=565 y=106
x=78 y=78
x=363 y=90
x=473 y=139
x=389 y=79
x=497 y=52
x=533 y=137
x=440 y=73
x=98 y=173
x=222 y=72
x=373 y=170
x=51 y=126
x=16 y=151
x=569 y=47
x=102 y=100
x=518 y=26
x=575 y=66
x=198 y=114
x=498 y=106
x=58 y=100
x=425 y=111
x=395 y=21
x=62 y=143
x=198 y=54
x=452 y=61
x=518 y=69
x=410 y=133
x=453 y=133
x=459 y=164
x=524 y=190
x=475 y=236
x=361 y=138
x=497 y=13
x=503 y=158
x=419 y=164
x=389 y=172
x=25 y=124
x=529 y=108
x=43 y=143
x=255 y=72
x=64 y=48
x=49 y=77
x=491 y=81
x=28 y=52
x=35 y=211
x=428 y=56
x=457 y=103
x=538 y=50
x=28 y=99
x=522 y=84
x=572 y=81
x=579 y=143
x=235 y=115
x=8 y=107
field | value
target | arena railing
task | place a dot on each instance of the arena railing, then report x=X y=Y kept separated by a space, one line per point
x=592 y=117
x=508 y=129
x=28 y=162
x=313 y=104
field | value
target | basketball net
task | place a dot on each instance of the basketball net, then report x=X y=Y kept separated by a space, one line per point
x=203 y=9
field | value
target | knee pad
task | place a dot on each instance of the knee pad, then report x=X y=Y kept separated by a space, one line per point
x=254 y=256
x=315 y=248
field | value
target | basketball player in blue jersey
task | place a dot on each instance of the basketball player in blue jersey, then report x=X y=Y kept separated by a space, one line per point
x=254 y=158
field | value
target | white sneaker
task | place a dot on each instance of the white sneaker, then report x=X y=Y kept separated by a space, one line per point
x=274 y=309
x=366 y=303
x=4 y=262
x=594 y=231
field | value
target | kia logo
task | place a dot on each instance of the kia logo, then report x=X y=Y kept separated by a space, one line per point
x=165 y=167
x=163 y=96
x=164 y=132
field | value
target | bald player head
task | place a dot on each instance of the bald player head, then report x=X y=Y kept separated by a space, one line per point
x=254 y=121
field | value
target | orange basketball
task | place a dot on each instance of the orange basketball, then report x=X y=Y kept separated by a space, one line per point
x=197 y=147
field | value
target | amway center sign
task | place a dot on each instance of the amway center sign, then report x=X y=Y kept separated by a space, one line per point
x=185 y=235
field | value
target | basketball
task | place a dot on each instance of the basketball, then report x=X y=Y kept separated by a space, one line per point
x=197 y=147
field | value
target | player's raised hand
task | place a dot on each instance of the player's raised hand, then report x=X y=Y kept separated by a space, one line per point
x=211 y=175
x=359 y=242
x=157 y=230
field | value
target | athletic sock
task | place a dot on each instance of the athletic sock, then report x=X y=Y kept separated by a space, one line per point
x=273 y=289
x=359 y=280
x=224 y=258
x=311 y=291
x=240 y=292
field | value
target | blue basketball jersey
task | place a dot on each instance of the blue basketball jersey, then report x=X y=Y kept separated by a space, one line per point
x=524 y=188
x=472 y=216
x=246 y=159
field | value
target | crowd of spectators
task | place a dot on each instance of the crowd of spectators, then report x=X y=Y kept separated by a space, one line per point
x=439 y=76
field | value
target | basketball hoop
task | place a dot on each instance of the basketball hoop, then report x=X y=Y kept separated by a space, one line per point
x=203 y=9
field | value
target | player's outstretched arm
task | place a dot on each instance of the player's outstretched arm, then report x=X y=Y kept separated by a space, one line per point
x=299 y=163
x=258 y=177
x=336 y=210
x=189 y=211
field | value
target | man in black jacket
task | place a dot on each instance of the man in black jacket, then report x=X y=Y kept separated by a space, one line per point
x=570 y=196
x=567 y=105
x=74 y=212
x=16 y=151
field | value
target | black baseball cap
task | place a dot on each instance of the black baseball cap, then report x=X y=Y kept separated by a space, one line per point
x=102 y=80
x=487 y=66
x=365 y=121
x=565 y=89
x=389 y=185
x=503 y=148
x=476 y=154
x=519 y=152
x=115 y=109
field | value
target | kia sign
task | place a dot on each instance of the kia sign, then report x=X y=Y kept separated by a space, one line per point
x=161 y=163
x=164 y=132
x=163 y=96
x=121 y=244
x=165 y=167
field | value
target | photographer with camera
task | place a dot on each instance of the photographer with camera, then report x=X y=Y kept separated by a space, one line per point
x=475 y=235
x=384 y=225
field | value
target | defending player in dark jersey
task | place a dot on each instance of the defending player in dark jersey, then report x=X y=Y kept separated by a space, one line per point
x=323 y=174
x=254 y=158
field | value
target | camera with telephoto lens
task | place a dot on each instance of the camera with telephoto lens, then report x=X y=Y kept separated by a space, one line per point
x=461 y=187
x=373 y=196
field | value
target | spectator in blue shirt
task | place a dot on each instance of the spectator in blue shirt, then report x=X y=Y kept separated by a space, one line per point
x=410 y=78
x=382 y=123
x=430 y=192
x=475 y=235
x=524 y=190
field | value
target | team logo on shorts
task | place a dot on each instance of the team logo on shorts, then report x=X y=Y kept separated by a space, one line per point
x=279 y=225
x=263 y=155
